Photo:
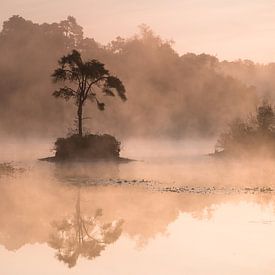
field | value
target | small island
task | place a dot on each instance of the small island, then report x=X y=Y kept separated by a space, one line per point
x=82 y=82
x=250 y=137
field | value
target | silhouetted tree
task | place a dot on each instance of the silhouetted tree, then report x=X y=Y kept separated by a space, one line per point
x=265 y=117
x=86 y=80
x=72 y=31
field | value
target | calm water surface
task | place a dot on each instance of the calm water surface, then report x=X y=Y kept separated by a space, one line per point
x=172 y=213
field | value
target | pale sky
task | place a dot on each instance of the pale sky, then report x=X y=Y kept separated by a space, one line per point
x=229 y=29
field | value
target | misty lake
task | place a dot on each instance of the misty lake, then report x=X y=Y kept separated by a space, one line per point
x=174 y=211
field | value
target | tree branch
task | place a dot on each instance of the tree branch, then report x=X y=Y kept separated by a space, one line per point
x=92 y=83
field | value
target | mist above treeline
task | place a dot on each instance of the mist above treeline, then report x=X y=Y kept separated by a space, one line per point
x=169 y=95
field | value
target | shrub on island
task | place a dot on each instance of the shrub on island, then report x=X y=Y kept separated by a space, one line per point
x=87 y=147
x=254 y=136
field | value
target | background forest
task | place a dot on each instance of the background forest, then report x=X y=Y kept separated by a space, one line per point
x=169 y=95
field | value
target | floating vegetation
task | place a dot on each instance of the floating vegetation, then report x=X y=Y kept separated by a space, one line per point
x=216 y=190
x=157 y=186
x=88 y=181
x=7 y=169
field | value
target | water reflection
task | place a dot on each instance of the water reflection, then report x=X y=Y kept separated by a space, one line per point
x=82 y=235
x=85 y=173
x=45 y=202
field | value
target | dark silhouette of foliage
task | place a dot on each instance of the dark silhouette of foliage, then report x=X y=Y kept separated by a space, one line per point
x=86 y=80
x=254 y=135
x=171 y=94
x=81 y=235
x=88 y=147
x=265 y=118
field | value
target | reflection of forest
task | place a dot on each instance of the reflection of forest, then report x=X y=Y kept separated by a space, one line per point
x=29 y=205
x=81 y=235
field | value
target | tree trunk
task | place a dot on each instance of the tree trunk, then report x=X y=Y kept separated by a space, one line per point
x=79 y=115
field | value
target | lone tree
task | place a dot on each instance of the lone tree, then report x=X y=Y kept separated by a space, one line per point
x=86 y=81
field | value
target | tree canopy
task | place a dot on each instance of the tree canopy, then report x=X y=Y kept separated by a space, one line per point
x=87 y=80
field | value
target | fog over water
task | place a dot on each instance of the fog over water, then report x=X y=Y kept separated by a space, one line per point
x=185 y=162
x=165 y=205
x=176 y=207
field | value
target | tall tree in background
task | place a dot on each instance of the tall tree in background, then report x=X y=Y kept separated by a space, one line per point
x=87 y=80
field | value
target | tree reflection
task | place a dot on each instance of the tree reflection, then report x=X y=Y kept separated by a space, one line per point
x=82 y=235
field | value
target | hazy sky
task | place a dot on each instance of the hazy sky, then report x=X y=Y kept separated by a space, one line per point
x=229 y=29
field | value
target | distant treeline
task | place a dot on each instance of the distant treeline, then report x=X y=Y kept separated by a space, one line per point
x=168 y=94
